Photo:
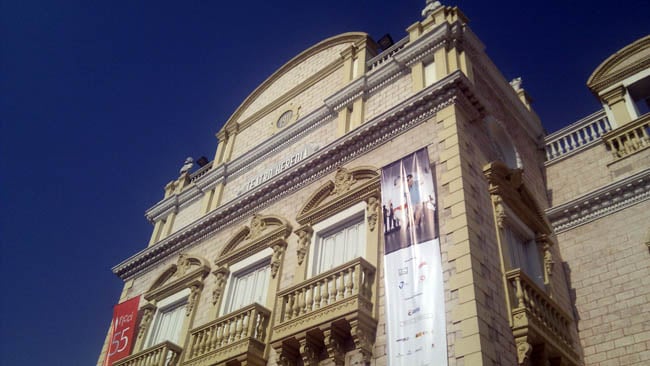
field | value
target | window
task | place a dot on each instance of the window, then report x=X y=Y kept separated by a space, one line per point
x=429 y=73
x=524 y=255
x=248 y=286
x=339 y=239
x=502 y=143
x=248 y=282
x=168 y=320
x=640 y=94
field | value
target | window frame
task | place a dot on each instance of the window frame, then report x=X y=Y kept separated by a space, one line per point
x=342 y=220
x=258 y=260
x=173 y=302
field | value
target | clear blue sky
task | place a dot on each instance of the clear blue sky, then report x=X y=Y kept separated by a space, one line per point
x=100 y=102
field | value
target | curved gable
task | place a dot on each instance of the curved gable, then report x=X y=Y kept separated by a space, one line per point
x=294 y=72
x=624 y=63
x=263 y=231
x=189 y=270
x=348 y=187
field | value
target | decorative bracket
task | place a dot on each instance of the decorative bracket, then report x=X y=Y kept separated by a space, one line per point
x=304 y=240
x=221 y=275
x=372 y=210
x=276 y=260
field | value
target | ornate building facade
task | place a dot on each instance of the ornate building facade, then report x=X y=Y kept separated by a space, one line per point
x=272 y=252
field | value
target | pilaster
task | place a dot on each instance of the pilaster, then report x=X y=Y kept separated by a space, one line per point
x=615 y=100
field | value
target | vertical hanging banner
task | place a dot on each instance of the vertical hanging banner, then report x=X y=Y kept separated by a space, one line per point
x=125 y=315
x=416 y=333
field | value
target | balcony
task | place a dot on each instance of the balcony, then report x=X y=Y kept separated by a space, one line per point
x=327 y=315
x=237 y=338
x=577 y=136
x=163 y=354
x=629 y=138
x=537 y=320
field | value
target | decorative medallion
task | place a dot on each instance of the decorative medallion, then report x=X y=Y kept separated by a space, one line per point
x=284 y=119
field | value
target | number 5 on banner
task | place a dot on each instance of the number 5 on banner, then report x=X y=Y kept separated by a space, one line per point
x=118 y=342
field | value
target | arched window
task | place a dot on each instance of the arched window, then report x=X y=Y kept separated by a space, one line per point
x=502 y=143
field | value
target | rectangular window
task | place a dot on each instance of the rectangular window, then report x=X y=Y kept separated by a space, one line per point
x=355 y=67
x=525 y=255
x=429 y=73
x=340 y=244
x=169 y=318
x=248 y=286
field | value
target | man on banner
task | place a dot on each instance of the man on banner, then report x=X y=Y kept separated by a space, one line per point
x=413 y=270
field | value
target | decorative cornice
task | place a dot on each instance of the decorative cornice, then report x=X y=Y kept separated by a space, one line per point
x=362 y=86
x=602 y=77
x=601 y=202
x=189 y=194
x=330 y=42
x=452 y=89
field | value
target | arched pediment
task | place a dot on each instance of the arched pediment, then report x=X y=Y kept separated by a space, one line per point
x=626 y=62
x=348 y=187
x=260 y=231
x=188 y=271
x=268 y=86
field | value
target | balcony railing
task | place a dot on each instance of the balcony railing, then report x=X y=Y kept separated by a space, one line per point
x=163 y=354
x=341 y=291
x=241 y=334
x=629 y=138
x=536 y=315
x=201 y=172
x=387 y=54
x=577 y=136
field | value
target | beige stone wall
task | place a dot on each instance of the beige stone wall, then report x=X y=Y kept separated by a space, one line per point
x=293 y=77
x=578 y=174
x=187 y=214
x=388 y=96
x=320 y=136
x=630 y=164
x=458 y=329
x=609 y=268
x=308 y=101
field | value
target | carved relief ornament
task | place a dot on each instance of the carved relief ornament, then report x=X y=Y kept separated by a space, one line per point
x=195 y=292
x=147 y=314
x=221 y=276
x=523 y=350
x=372 y=210
x=276 y=259
x=343 y=180
x=304 y=234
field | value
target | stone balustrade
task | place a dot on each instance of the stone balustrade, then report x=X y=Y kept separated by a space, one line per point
x=349 y=280
x=201 y=172
x=162 y=354
x=386 y=55
x=534 y=314
x=629 y=138
x=576 y=136
x=241 y=334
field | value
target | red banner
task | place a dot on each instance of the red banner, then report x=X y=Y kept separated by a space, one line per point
x=122 y=330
